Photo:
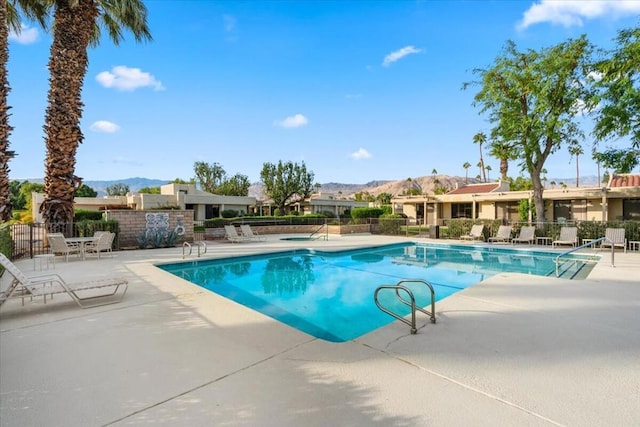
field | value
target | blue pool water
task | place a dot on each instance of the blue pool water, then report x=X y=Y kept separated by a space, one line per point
x=330 y=294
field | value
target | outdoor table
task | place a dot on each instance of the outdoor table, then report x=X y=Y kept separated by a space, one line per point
x=81 y=241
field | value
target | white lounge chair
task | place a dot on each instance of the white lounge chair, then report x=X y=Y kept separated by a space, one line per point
x=20 y=286
x=103 y=244
x=527 y=235
x=614 y=237
x=503 y=235
x=60 y=246
x=568 y=236
x=233 y=236
x=248 y=232
x=476 y=233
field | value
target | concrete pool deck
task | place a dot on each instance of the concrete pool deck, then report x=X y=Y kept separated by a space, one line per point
x=513 y=350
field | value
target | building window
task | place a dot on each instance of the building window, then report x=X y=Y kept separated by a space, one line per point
x=562 y=210
x=631 y=209
x=461 y=210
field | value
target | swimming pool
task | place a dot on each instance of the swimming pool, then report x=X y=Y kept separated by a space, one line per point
x=330 y=294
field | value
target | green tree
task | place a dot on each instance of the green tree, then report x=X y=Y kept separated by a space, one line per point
x=618 y=90
x=76 y=25
x=532 y=99
x=237 y=185
x=480 y=138
x=26 y=190
x=209 y=176
x=10 y=19
x=466 y=167
x=149 y=190
x=384 y=198
x=286 y=183
x=182 y=181
x=85 y=191
x=18 y=199
x=618 y=160
x=521 y=184
x=117 y=190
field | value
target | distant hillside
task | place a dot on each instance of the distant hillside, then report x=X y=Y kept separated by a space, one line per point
x=134 y=184
x=424 y=185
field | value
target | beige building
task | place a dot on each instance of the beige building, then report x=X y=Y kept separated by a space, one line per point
x=618 y=200
x=172 y=196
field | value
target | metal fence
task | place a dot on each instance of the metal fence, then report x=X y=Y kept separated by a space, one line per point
x=28 y=240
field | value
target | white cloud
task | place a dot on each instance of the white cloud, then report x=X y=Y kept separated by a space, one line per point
x=360 y=154
x=28 y=35
x=296 y=121
x=570 y=13
x=399 y=54
x=104 y=126
x=124 y=78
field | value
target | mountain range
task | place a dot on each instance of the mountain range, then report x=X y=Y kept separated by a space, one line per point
x=424 y=185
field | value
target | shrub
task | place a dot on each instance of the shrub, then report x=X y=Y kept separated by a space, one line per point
x=82 y=215
x=360 y=214
x=157 y=239
x=229 y=213
x=89 y=227
x=5 y=241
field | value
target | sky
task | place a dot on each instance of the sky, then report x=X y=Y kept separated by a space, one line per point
x=357 y=90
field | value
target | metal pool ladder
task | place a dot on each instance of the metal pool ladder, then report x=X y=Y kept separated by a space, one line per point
x=411 y=302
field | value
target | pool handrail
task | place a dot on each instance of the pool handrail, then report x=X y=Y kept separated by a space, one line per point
x=326 y=237
x=585 y=245
x=411 y=303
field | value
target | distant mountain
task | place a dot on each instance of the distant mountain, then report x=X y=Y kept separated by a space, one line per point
x=424 y=185
x=134 y=184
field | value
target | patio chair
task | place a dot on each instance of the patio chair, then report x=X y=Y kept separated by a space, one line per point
x=103 y=244
x=233 y=236
x=527 y=235
x=20 y=286
x=502 y=236
x=476 y=233
x=614 y=237
x=59 y=246
x=568 y=236
x=248 y=232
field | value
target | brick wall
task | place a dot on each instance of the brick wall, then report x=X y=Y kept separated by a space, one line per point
x=133 y=223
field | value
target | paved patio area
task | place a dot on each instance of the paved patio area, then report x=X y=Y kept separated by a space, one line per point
x=513 y=350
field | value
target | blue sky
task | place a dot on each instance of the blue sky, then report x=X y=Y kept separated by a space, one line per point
x=358 y=90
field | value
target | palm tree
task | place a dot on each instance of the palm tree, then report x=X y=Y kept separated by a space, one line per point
x=10 y=20
x=466 y=167
x=480 y=138
x=503 y=152
x=76 y=26
x=488 y=169
x=576 y=150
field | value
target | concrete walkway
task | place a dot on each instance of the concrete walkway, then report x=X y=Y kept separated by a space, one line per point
x=513 y=350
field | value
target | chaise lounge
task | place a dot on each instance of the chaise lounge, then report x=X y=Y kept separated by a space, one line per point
x=476 y=233
x=615 y=237
x=502 y=236
x=568 y=236
x=527 y=235
x=20 y=286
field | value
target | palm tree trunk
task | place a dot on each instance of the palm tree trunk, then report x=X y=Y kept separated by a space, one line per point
x=73 y=27
x=577 y=172
x=504 y=169
x=5 y=128
x=484 y=176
